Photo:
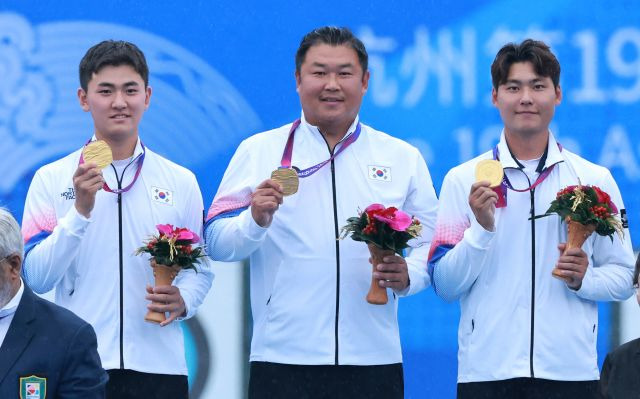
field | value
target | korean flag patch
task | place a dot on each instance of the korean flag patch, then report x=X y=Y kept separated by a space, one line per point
x=162 y=195
x=382 y=173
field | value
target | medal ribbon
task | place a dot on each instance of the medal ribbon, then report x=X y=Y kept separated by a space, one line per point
x=543 y=175
x=288 y=150
x=139 y=160
x=506 y=184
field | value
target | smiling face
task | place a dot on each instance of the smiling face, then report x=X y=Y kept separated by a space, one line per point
x=526 y=101
x=331 y=84
x=117 y=97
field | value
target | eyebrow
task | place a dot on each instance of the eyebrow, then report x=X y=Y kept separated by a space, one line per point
x=341 y=66
x=110 y=85
x=517 y=81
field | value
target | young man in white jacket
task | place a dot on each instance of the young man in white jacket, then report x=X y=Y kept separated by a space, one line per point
x=82 y=226
x=314 y=334
x=524 y=333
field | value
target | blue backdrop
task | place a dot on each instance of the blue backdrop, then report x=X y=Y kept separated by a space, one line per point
x=224 y=70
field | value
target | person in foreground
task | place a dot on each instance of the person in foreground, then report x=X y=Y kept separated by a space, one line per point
x=314 y=334
x=524 y=333
x=620 y=376
x=45 y=350
x=82 y=226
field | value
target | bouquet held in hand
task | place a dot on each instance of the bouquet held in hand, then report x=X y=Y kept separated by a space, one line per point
x=387 y=231
x=171 y=250
x=585 y=209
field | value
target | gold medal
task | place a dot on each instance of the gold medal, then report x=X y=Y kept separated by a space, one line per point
x=287 y=178
x=99 y=153
x=491 y=171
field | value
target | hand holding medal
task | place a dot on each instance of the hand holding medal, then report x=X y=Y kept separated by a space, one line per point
x=482 y=198
x=87 y=181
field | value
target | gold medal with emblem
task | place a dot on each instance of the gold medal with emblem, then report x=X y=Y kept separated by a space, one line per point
x=33 y=387
x=99 y=153
x=491 y=171
x=287 y=178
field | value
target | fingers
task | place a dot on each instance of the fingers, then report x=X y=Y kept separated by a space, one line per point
x=265 y=201
x=393 y=273
x=166 y=299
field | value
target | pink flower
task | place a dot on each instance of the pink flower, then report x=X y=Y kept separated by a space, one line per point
x=396 y=219
x=186 y=234
x=165 y=229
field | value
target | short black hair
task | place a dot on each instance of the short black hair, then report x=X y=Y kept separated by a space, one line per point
x=332 y=36
x=536 y=52
x=112 y=53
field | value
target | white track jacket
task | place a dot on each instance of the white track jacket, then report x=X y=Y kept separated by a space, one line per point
x=516 y=319
x=308 y=288
x=92 y=265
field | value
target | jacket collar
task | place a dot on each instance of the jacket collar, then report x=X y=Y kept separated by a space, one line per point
x=136 y=151
x=316 y=132
x=552 y=155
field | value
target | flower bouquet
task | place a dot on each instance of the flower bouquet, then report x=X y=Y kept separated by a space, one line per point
x=171 y=250
x=386 y=231
x=585 y=209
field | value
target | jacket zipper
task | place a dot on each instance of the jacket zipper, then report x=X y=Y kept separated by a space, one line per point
x=337 y=234
x=120 y=263
x=335 y=226
x=533 y=279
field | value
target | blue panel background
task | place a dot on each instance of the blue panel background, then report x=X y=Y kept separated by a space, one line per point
x=430 y=84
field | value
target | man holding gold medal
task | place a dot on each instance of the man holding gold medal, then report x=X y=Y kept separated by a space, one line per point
x=87 y=213
x=524 y=333
x=281 y=203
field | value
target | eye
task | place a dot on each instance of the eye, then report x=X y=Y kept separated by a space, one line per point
x=104 y=91
x=539 y=86
x=512 y=88
x=132 y=91
x=319 y=73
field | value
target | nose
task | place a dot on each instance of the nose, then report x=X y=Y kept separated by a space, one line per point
x=118 y=100
x=526 y=96
x=332 y=82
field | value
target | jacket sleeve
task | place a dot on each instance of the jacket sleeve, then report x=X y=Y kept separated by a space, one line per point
x=51 y=244
x=459 y=243
x=610 y=275
x=193 y=285
x=82 y=375
x=231 y=232
x=422 y=203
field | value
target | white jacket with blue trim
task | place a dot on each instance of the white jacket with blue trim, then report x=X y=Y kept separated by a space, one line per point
x=516 y=319
x=81 y=257
x=307 y=288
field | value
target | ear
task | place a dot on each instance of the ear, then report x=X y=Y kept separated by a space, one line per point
x=82 y=98
x=297 y=75
x=147 y=97
x=365 y=82
x=15 y=265
x=558 y=95
x=494 y=96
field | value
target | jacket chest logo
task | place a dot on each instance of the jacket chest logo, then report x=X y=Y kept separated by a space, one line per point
x=380 y=173
x=33 y=387
x=69 y=194
x=162 y=195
